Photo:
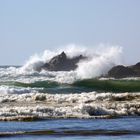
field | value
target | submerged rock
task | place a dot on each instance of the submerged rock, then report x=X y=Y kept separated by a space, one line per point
x=62 y=63
x=121 y=71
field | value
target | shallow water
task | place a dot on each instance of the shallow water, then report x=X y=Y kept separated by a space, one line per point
x=73 y=129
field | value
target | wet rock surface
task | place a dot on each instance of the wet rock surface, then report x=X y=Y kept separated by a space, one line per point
x=121 y=71
x=63 y=63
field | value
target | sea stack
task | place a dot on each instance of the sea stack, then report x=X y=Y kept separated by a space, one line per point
x=62 y=63
x=121 y=71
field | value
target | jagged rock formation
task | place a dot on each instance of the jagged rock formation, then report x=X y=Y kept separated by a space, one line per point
x=62 y=63
x=121 y=71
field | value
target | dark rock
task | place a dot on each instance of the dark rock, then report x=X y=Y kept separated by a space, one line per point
x=62 y=63
x=121 y=71
x=136 y=68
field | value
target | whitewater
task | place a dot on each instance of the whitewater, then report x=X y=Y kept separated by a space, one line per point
x=81 y=103
x=26 y=93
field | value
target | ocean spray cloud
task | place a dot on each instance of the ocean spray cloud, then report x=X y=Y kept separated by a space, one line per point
x=100 y=59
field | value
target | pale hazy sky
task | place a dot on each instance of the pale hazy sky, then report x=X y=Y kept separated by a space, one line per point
x=31 y=26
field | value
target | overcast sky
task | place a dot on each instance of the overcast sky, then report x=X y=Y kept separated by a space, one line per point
x=31 y=26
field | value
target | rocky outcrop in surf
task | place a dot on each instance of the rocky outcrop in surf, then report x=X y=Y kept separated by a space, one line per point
x=121 y=71
x=62 y=63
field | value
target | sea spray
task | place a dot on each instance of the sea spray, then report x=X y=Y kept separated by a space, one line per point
x=100 y=64
x=99 y=61
x=36 y=61
x=73 y=50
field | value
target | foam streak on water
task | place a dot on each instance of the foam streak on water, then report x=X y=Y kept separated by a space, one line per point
x=25 y=92
x=84 y=105
x=98 y=63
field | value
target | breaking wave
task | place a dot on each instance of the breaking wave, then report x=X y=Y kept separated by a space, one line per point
x=26 y=93
x=99 y=85
x=100 y=60
x=110 y=85
x=5 y=89
x=85 y=105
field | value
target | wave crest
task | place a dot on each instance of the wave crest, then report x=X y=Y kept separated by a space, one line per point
x=84 y=105
x=101 y=59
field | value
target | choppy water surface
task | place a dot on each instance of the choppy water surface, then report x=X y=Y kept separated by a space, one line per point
x=60 y=105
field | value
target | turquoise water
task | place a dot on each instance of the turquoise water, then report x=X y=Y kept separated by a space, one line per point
x=74 y=129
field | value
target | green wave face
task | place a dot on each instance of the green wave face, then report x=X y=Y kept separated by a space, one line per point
x=37 y=84
x=82 y=86
x=110 y=85
x=46 y=87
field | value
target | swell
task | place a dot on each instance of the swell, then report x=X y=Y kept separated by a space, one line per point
x=73 y=132
x=98 y=85
x=110 y=85
x=89 y=84
x=40 y=86
x=37 y=84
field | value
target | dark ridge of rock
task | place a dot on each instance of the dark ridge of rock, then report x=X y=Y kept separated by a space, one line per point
x=62 y=63
x=137 y=65
x=136 y=68
x=121 y=71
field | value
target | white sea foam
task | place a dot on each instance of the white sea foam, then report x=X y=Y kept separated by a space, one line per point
x=84 y=105
x=16 y=90
x=99 y=62
x=15 y=74
x=37 y=60
x=101 y=59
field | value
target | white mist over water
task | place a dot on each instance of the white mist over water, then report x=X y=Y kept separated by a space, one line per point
x=100 y=59
x=100 y=63
x=37 y=60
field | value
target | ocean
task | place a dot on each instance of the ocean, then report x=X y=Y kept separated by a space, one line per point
x=78 y=104
x=60 y=105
